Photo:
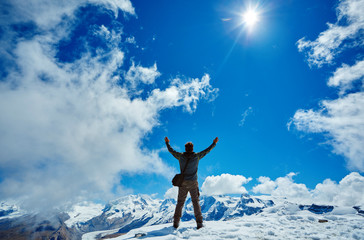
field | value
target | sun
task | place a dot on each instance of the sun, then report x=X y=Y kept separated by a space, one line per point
x=250 y=17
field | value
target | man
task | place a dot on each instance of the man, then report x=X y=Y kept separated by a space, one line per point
x=190 y=183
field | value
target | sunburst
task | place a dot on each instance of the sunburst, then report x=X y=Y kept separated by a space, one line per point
x=250 y=17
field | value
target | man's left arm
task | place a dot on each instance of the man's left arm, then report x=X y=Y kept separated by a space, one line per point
x=207 y=150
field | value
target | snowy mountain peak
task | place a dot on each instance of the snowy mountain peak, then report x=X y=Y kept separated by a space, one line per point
x=245 y=195
x=132 y=199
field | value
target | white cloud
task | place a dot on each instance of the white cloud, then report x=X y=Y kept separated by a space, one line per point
x=184 y=93
x=224 y=184
x=326 y=191
x=171 y=193
x=69 y=130
x=341 y=119
x=345 y=76
x=46 y=14
x=331 y=42
x=266 y=185
x=112 y=37
x=245 y=115
x=351 y=190
x=115 y=5
x=283 y=186
x=142 y=74
x=131 y=40
x=348 y=192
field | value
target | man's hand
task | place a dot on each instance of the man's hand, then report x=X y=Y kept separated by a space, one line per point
x=166 y=140
x=216 y=140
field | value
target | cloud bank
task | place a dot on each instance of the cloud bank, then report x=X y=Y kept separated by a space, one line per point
x=341 y=119
x=171 y=193
x=70 y=123
x=348 y=192
x=224 y=184
x=217 y=185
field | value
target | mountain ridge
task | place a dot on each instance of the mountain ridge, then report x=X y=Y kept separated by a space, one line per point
x=134 y=211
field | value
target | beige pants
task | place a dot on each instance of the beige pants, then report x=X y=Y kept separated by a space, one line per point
x=192 y=187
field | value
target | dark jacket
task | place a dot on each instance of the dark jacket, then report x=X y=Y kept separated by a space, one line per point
x=194 y=158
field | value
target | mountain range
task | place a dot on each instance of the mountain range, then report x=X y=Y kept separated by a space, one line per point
x=130 y=212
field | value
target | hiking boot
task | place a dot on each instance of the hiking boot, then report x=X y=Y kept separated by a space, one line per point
x=176 y=224
x=199 y=225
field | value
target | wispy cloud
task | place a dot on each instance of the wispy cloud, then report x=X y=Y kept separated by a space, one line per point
x=245 y=114
x=345 y=76
x=341 y=119
x=47 y=14
x=142 y=74
x=69 y=129
x=346 y=32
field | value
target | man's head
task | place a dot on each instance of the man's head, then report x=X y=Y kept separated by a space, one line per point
x=189 y=147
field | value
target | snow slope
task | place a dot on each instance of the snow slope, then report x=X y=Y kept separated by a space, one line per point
x=281 y=221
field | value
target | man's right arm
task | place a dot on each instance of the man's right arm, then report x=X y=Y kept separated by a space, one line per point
x=171 y=150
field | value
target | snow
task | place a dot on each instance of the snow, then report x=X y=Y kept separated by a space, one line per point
x=343 y=210
x=139 y=205
x=83 y=212
x=282 y=221
x=10 y=210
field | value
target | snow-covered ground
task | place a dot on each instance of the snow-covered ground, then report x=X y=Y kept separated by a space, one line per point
x=282 y=221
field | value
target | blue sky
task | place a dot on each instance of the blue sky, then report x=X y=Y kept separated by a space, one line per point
x=264 y=71
x=89 y=90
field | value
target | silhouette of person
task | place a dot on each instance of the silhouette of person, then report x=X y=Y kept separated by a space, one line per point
x=190 y=183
